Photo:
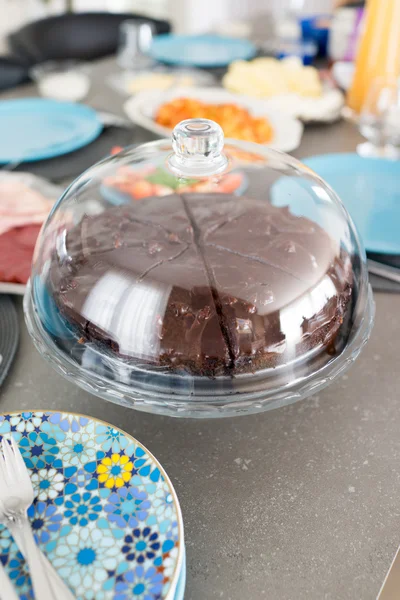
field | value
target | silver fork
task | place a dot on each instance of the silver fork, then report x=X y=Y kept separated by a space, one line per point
x=60 y=590
x=16 y=495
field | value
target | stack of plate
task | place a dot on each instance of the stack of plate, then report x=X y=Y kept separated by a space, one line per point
x=369 y=189
x=9 y=335
x=105 y=513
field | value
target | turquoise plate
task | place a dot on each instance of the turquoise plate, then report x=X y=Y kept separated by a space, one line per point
x=369 y=188
x=105 y=513
x=205 y=51
x=35 y=129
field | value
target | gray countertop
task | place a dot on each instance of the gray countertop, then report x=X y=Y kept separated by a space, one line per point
x=297 y=503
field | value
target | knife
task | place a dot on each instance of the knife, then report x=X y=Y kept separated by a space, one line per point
x=390 y=589
x=386 y=271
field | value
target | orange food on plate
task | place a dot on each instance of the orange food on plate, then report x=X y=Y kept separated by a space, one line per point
x=116 y=150
x=152 y=181
x=243 y=157
x=235 y=120
x=227 y=184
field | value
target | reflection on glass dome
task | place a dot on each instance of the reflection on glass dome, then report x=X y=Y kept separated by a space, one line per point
x=197 y=300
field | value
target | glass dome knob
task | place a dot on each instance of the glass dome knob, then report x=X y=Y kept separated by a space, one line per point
x=197 y=145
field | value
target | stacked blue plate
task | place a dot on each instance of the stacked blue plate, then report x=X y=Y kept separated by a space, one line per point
x=369 y=189
x=206 y=51
x=105 y=513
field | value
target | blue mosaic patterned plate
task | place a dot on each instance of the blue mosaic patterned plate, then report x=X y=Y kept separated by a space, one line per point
x=105 y=511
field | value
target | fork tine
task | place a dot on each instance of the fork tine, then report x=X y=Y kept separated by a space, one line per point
x=3 y=474
x=18 y=456
x=8 y=459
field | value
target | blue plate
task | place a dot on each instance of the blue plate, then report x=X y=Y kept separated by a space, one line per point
x=370 y=190
x=35 y=129
x=48 y=311
x=105 y=512
x=200 y=51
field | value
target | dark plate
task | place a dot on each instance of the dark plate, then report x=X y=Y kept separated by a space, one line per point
x=9 y=335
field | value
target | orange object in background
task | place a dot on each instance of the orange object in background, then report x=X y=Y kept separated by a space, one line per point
x=379 y=51
x=235 y=120
x=116 y=150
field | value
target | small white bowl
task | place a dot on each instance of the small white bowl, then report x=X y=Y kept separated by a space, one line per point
x=61 y=80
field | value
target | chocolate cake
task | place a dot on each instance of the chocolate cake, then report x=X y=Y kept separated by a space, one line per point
x=207 y=284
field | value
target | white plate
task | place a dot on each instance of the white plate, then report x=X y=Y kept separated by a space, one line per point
x=122 y=80
x=12 y=288
x=142 y=108
x=325 y=109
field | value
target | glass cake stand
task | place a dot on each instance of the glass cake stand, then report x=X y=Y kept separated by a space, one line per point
x=199 y=278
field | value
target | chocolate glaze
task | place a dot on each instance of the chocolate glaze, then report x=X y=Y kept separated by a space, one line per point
x=211 y=284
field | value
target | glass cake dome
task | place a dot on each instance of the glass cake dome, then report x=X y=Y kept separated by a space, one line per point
x=199 y=278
